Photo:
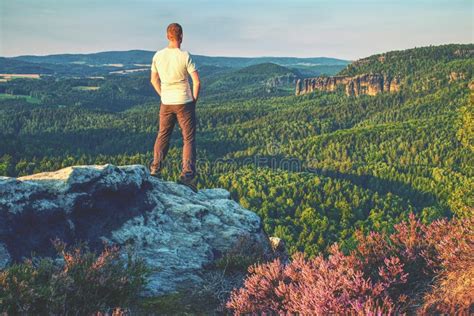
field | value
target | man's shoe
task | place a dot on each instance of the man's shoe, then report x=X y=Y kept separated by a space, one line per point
x=190 y=183
x=156 y=174
x=154 y=171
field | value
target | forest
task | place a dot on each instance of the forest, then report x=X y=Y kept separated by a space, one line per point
x=317 y=168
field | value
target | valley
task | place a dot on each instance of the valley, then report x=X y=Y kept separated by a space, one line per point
x=317 y=167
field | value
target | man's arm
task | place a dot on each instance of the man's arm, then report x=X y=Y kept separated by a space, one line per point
x=196 y=85
x=156 y=82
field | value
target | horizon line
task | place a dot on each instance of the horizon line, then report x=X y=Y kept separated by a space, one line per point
x=232 y=56
x=148 y=50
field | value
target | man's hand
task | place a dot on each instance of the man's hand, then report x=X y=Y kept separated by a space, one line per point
x=196 y=85
x=156 y=82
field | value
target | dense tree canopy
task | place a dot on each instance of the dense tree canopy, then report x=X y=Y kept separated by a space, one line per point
x=315 y=167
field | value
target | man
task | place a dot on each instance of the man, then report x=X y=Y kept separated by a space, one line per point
x=170 y=68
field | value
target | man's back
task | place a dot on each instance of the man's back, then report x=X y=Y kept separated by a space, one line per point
x=173 y=66
x=170 y=68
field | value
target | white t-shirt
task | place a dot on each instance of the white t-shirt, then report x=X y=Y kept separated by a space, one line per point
x=173 y=66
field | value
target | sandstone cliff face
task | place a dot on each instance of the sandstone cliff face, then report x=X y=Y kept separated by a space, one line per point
x=283 y=80
x=471 y=85
x=455 y=76
x=177 y=231
x=371 y=84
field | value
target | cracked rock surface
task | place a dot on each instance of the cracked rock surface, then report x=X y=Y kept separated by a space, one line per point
x=177 y=232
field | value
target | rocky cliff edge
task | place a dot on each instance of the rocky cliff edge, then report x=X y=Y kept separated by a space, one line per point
x=178 y=232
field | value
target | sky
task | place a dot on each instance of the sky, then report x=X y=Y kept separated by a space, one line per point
x=347 y=29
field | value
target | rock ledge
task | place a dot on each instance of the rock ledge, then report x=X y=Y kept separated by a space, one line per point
x=175 y=230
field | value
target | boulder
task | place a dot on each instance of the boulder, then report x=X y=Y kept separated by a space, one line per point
x=176 y=231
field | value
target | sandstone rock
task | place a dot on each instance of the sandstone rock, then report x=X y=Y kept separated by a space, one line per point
x=370 y=84
x=464 y=53
x=471 y=85
x=282 y=80
x=455 y=76
x=394 y=85
x=178 y=232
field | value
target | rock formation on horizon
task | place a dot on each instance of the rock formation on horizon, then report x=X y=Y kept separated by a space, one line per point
x=370 y=84
x=175 y=230
x=281 y=80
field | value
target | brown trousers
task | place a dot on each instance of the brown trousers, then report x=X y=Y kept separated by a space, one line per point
x=185 y=114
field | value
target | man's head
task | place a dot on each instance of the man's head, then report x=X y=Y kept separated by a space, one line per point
x=174 y=32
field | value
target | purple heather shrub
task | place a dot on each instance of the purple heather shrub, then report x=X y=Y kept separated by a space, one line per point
x=417 y=267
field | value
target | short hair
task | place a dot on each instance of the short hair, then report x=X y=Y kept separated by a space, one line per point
x=174 y=31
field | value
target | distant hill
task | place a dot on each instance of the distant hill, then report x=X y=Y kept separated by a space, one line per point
x=417 y=69
x=266 y=69
x=410 y=61
x=10 y=65
x=255 y=80
x=292 y=62
x=104 y=62
x=109 y=57
x=144 y=57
